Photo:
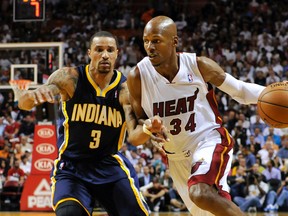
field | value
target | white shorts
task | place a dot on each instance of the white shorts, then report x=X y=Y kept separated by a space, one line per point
x=209 y=163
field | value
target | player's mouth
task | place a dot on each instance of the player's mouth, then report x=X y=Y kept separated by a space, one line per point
x=104 y=64
x=152 y=56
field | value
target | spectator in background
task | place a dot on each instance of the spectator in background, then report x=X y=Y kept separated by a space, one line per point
x=155 y=194
x=237 y=182
x=166 y=179
x=134 y=157
x=25 y=143
x=158 y=164
x=146 y=178
x=265 y=152
x=279 y=198
x=260 y=78
x=258 y=136
x=25 y=165
x=271 y=172
x=282 y=200
x=240 y=134
x=15 y=173
x=4 y=153
x=28 y=154
x=272 y=76
x=12 y=128
x=176 y=201
x=3 y=169
x=2 y=129
x=138 y=170
x=283 y=151
x=254 y=146
x=240 y=162
x=27 y=126
x=124 y=68
x=250 y=158
x=18 y=151
x=255 y=192
x=276 y=138
x=257 y=122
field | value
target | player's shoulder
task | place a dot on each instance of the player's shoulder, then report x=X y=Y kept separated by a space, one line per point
x=68 y=71
x=133 y=73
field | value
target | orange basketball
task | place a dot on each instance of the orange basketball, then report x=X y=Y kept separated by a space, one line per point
x=273 y=105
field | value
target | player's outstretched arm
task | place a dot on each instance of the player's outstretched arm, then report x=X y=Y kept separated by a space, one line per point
x=243 y=92
x=61 y=82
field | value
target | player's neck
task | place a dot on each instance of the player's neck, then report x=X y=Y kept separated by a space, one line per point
x=169 y=69
x=102 y=80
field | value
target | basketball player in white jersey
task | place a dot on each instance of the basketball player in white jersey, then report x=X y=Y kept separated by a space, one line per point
x=175 y=92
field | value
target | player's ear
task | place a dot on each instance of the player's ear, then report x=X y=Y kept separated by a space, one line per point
x=88 y=53
x=175 y=40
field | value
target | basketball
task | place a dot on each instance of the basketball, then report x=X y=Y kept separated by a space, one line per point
x=273 y=105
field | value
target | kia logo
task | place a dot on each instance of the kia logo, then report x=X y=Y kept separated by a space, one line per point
x=45 y=133
x=45 y=148
x=43 y=164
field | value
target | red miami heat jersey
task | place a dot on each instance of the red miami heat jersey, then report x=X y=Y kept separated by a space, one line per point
x=187 y=105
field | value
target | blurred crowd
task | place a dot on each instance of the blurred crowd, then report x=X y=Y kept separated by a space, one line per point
x=247 y=38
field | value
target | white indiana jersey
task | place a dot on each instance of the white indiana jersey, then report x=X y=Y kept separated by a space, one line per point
x=187 y=105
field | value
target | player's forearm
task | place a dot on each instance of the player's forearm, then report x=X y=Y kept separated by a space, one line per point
x=137 y=136
x=243 y=92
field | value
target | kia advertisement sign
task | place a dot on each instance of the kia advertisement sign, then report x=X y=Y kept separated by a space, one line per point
x=36 y=195
x=43 y=165
x=44 y=149
x=45 y=133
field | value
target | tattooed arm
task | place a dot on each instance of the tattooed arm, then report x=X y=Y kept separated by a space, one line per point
x=61 y=82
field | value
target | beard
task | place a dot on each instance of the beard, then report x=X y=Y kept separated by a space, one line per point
x=103 y=69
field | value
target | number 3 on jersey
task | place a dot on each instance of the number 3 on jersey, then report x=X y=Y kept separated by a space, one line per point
x=176 y=123
x=95 y=134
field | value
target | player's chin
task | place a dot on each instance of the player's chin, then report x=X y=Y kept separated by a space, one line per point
x=104 y=70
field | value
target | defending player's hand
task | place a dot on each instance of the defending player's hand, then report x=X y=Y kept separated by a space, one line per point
x=159 y=132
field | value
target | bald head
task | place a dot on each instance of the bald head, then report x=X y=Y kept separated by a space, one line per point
x=161 y=25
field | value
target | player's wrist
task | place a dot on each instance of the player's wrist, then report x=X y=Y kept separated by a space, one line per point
x=146 y=130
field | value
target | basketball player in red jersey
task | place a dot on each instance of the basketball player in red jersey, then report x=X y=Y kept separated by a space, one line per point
x=174 y=92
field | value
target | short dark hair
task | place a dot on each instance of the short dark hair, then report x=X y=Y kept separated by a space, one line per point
x=103 y=34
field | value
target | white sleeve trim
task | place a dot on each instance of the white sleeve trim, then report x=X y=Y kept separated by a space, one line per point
x=242 y=92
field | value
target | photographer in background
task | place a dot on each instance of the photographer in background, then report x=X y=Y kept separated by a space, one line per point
x=279 y=199
x=255 y=193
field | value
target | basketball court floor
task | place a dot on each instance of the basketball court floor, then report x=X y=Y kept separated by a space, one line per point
x=153 y=214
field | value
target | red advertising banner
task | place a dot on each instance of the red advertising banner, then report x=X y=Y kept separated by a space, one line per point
x=44 y=149
x=36 y=195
